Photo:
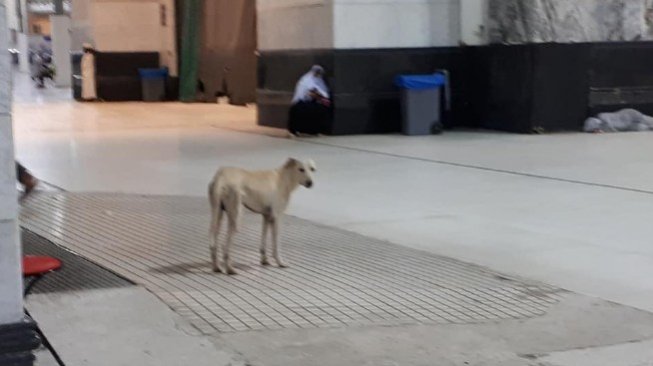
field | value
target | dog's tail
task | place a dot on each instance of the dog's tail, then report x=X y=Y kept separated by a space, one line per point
x=224 y=199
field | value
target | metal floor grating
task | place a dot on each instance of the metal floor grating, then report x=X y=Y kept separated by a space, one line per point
x=76 y=274
x=336 y=278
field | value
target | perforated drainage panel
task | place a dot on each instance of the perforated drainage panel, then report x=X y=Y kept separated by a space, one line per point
x=77 y=274
x=335 y=279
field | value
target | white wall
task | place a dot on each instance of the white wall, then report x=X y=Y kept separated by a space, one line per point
x=396 y=23
x=343 y=24
x=294 y=24
x=12 y=17
x=81 y=30
x=22 y=45
x=127 y=26
x=119 y=26
x=473 y=22
x=11 y=297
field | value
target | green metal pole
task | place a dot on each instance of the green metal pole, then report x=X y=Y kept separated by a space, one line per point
x=190 y=49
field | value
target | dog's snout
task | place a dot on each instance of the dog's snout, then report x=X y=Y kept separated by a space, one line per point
x=309 y=184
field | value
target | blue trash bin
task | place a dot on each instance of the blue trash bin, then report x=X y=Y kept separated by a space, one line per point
x=421 y=103
x=153 y=84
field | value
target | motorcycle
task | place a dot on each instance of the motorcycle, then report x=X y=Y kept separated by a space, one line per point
x=43 y=69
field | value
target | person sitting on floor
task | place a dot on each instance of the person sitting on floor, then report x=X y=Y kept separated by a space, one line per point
x=311 y=107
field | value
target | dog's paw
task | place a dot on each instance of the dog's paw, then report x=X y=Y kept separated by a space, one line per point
x=282 y=264
x=265 y=262
x=231 y=271
x=217 y=270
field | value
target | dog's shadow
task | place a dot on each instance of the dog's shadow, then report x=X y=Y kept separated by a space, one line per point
x=194 y=267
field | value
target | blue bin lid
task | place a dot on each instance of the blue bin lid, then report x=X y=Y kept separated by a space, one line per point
x=421 y=82
x=153 y=73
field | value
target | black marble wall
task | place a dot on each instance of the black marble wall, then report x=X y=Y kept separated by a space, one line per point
x=517 y=88
x=17 y=341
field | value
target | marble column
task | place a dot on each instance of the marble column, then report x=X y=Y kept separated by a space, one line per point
x=61 y=47
x=16 y=335
x=473 y=22
x=564 y=21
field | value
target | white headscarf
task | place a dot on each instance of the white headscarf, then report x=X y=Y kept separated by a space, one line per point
x=309 y=82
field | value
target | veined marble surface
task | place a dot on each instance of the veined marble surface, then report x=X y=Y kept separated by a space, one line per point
x=522 y=21
x=11 y=296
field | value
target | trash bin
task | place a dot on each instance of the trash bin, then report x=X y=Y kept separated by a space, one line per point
x=15 y=54
x=421 y=103
x=153 y=83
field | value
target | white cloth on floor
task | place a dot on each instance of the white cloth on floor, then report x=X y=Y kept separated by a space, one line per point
x=620 y=121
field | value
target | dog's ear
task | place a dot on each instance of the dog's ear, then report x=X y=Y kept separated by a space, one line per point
x=291 y=163
x=311 y=165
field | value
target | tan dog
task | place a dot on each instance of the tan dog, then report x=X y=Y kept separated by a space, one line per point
x=264 y=192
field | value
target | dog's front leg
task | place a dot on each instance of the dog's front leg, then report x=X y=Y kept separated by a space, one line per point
x=264 y=257
x=274 y=222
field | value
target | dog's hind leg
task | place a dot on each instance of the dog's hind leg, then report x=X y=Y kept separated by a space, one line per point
x=274 y=222
x=215 y=240
x=233 y=208
x=266 y=225
x=214 y=232
x=227 y=247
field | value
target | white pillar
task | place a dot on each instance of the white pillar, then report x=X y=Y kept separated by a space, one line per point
x=300 y=24
x=473 y=22
x=11 y=297
x=395 y=23
x=61 y=44
x=12 y=14
x=24 y=22
x=22 y=41
x=23 y=47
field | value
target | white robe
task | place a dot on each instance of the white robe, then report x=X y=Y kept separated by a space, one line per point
x=88 y=77
x=307 y=83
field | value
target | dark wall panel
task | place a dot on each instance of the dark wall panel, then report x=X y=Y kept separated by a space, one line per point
x=516 y=88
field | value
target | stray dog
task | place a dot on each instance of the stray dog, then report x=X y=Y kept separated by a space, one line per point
x=264 y=192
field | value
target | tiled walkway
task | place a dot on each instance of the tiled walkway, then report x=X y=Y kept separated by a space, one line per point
x=335 y=278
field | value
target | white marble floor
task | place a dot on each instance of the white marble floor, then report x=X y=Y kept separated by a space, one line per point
x=572 y=210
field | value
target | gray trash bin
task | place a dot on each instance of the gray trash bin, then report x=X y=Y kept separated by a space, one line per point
x=421 y=103
x=153 y=83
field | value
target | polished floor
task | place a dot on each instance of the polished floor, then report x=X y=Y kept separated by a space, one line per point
x=571 y=210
